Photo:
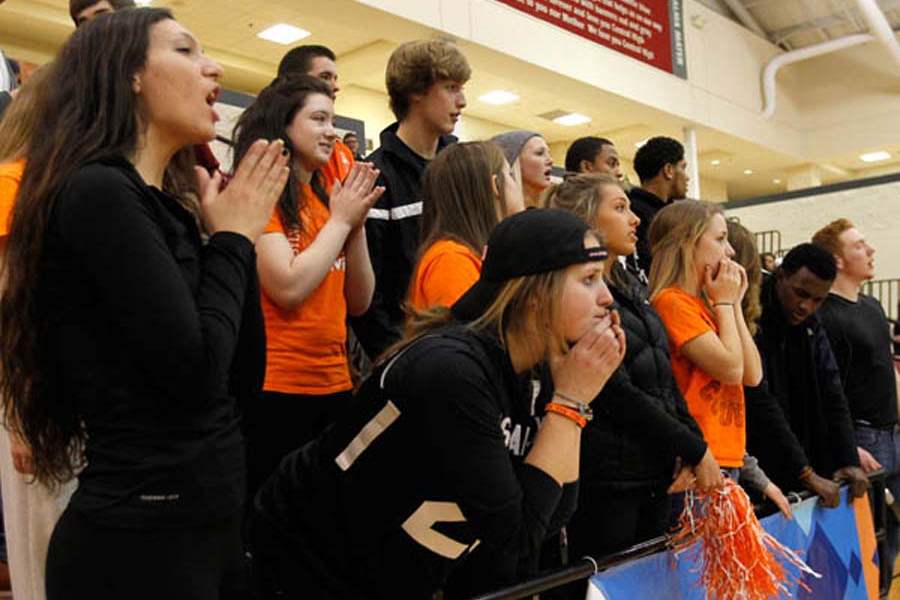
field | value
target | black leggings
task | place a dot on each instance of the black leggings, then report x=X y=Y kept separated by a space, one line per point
x=276 y=424
x=87 y=560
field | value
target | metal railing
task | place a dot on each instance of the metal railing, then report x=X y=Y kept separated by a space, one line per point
x=768 y=241
x=588 y=567
x=887 y=292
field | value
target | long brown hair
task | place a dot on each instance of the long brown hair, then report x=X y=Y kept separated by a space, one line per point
x=746 y=255
x=89 y=111
x=523 y=316
x=22 y=117
x=268 y=118
x=673 y=236
x=458 y=200
x=581 y=195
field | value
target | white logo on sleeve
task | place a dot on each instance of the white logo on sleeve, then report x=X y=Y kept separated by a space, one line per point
x=420 y=527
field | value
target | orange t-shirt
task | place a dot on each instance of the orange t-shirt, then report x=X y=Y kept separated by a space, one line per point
x=338 y=167
x=717 y=407
x=306 y=350
x=10 y=178
x=444 y=273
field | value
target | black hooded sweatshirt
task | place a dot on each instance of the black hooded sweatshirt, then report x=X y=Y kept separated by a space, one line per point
x=801 y=373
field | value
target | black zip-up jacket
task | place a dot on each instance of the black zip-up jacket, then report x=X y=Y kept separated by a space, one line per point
x=645 y=205
x=424 y=472
x=642 y=422
x=148 y=336
x=393 y=233
x=801 y=373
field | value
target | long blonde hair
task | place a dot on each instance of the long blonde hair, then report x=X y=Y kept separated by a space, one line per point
x=524 y=316
x=581 y=195
x=673 y=237
x=22 y=118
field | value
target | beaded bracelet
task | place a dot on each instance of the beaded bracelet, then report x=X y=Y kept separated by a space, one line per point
x=566 y=412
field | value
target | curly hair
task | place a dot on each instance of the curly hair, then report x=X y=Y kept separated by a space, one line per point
x=656 y=153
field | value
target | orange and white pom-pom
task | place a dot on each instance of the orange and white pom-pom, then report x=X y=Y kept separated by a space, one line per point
x=735 y=557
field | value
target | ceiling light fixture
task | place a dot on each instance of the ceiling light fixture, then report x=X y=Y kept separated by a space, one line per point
x=776 y=181
x=282 y=33
x=748 y=172
x=142 y=2
x=715 y=162
x=498 y=97
x=572 y=119
x=875 y=156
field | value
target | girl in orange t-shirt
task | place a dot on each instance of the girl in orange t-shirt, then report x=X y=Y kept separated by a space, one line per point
x=314 y=270
x=697 y=289
x=466 y=191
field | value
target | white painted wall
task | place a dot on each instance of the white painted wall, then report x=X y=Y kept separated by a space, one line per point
x=724 y=64
x=875 y=210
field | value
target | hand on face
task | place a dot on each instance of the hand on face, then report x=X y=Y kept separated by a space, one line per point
x=583 y=371
x=726 y=284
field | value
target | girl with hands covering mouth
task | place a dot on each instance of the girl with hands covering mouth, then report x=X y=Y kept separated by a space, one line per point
x=697 y=289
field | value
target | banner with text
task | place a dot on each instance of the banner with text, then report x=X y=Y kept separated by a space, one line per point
x=838 y=543
x=651 y=31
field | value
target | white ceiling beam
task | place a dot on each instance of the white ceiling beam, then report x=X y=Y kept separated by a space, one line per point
x=880 y=28
x=771 y=69
x=743 y=15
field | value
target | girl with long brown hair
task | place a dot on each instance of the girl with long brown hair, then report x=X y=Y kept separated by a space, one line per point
x=314 y=270
x=121 y=332
x=467 y=190
x=30 y=508
x=697 y=290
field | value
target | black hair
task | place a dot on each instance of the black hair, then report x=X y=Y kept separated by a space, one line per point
x=350 y=134
x=819 y=261
x=656 y=153
x=298 y=61
x=76 y=6
x=586 y=148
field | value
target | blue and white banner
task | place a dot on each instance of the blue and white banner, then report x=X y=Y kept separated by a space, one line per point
x=837 y=543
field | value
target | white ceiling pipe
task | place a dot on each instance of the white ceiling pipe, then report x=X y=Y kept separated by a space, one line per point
x=879 y=27
x=744 y=16
x=793 y=56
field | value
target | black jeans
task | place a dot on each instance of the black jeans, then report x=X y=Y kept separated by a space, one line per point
x=87 y=560
x=276 y=424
